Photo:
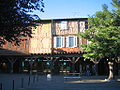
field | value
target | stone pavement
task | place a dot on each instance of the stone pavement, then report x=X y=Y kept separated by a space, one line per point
x=86 y=83
x=21 y=82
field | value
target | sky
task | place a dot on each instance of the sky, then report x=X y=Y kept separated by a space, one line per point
x=60 y=9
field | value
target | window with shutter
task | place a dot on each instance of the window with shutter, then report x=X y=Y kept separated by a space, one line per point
x=59 y=42
x=63 y=42
x=64 y=25
x=71 y=41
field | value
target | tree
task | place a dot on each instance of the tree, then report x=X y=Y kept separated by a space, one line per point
x=16 y=18
x=103 y=36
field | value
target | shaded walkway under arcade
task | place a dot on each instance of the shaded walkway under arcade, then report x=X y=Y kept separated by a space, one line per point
x=56 y=63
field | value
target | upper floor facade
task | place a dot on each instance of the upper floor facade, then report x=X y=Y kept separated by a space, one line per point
x=58 y=35
x=53 y=36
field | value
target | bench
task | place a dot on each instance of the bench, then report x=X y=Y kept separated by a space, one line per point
x=71 y=75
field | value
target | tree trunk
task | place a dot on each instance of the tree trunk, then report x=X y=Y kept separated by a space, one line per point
x=111 y=76
x=95 y=68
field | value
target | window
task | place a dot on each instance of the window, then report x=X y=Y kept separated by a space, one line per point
x=35 y=29
x=58 y=42
x=64 y=25
x=82 y=24
x=71 y=41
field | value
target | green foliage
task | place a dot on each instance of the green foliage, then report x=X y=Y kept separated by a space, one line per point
x=15 y=18
x=103 y=34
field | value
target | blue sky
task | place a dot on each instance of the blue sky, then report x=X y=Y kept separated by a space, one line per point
x=56 y=9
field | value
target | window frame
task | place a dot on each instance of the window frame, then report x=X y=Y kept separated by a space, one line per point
x=74 y=41
x=64 y=25
x=62 y=42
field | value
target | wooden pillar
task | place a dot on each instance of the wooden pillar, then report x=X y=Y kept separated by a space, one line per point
x=31 y=64
x=80 y=69
x=20 y=65
x=51 y=62
x=12 y=61
x=73 y=64
x=31 y=61
x=73 y=60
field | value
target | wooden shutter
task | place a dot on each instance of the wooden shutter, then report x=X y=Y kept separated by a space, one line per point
x=62 y=42
x=67 y=41
x=75 y=41
x=55 y=38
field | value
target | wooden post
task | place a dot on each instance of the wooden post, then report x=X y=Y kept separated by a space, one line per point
x=22 y=81
x=37 y=78
x=80 y=69
x=73 y=66
x=12 y=61
x=29 y=81
x=31 y=61
x=50 y=60
x=13 y=87
x=34 y=79
x=73 y=60
x=21 y=65
x=0 y=86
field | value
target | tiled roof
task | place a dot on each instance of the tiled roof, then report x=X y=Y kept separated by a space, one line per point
x=64 y=19
x=6 y=52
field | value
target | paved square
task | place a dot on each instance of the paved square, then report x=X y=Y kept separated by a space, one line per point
x=33 y=82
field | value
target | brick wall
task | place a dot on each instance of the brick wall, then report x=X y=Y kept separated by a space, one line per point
x=22 y=48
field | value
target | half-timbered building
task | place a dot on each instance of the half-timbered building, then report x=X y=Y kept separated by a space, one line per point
x=55 y=47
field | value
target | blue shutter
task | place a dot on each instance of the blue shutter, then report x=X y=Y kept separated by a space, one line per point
x=55 y=38
x=58 y=42
x=75 y=41
x=67 y=41
x=62 y=42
